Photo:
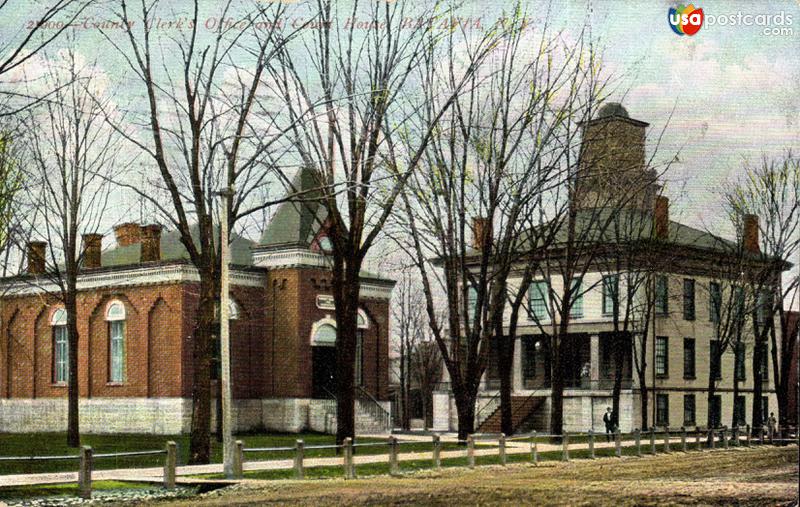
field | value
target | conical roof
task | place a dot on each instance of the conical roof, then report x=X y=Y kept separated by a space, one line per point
x=297 y=220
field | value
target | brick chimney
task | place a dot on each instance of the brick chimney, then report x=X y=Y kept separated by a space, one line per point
x=481 y=227
x=661 y=217
x=750 y=233
x=92 y=244
x=151 y=243
x=36 y=252
x=128 y=234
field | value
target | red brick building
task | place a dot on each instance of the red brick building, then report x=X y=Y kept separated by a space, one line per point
x=137 y=305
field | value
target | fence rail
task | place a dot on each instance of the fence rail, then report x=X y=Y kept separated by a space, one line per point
x=641 y=441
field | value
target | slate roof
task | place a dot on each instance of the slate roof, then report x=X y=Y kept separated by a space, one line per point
x=296 y=222
x=173 y=250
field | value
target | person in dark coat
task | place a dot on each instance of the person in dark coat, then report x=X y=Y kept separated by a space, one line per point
x=608 y=419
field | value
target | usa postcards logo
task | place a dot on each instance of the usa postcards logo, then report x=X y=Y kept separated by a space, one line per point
x=685 y=20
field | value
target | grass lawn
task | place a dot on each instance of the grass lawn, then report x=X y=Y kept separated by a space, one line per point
x=743 y=476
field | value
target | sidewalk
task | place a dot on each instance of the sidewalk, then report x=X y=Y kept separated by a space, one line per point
x=156 y=473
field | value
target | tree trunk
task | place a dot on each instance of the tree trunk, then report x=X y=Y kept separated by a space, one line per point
x=73 y=393
x=618 y=369
x=465 y=406
x=199 y=442
x=556 y=388
x=758 y=387
x=346 y=291
x=505 y=360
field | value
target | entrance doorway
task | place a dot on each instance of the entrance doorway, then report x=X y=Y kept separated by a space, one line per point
x=323 y=359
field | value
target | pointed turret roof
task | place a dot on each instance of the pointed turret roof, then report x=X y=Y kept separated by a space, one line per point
x=297 y=221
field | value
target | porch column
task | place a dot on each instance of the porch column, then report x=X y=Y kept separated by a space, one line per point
x=594 y=358
x=516 y=378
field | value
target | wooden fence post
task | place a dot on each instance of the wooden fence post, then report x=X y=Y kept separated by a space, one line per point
x=591 y=444
x=238 y=460
x=501 y=446
x=724 y=435
x=697 y=437
x=747 y=438
x=761 y=436
x=711 y=438
x=85 y=473
x=437 y=452
x=637 y=433
x=565 y=447
x=735 y=435
x=618 y=443
x=684 y=447
x=470 y=451
x=392 y=456
x=534 y=449
x=652 y=440
x=299 y=457
x=349 y=469
x=170 y=461
x=666 y=439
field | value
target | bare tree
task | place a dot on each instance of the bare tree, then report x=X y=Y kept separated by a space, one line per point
x=408 y=313
x=771 y=191
x=426 y=371
x=71 y=153
x=212 y=125
x=360 y=85
x=48 y=22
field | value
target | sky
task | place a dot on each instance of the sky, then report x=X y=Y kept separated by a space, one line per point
x=722 y=98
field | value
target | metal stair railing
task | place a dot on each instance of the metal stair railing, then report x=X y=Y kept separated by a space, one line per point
x=373 y=407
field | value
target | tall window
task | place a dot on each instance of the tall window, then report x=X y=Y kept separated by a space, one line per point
x=763 y=353
x=610 y=293
x=60 y=347
x=689 y=410
x=764 y=309
x=715 y=360
x=363 y=324
x=537 y=301
x=115 y=315
x=716 y=411
x=688 y=358
x=576 y=310
x=662 y=410
x=688 y=299
x=216 y=345
x=714 y=301
x=472 y=302
x=738 y=351
x=738 y=411
x=662 y=359
x=662 y=295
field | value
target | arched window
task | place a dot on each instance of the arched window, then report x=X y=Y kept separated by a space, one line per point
x=325 y=335
x=115 y=315
x=363 y=320
x=58 y=321
x=234 y=310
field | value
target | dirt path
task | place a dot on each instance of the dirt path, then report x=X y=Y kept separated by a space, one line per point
x=764 y=476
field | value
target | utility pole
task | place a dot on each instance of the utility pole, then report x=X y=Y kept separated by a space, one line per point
x=224 y=336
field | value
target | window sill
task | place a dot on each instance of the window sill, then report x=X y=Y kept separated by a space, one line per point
x=58 y=384
x=689 y=377
x=116 y=384
x=662 y=376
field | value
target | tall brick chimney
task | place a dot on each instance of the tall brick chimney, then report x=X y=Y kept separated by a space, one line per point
x=128 y=234
x=36 y=252
x=151 y=243
x=481 y=227
x=661 y=217
x=92 y=244
x=750 y=233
